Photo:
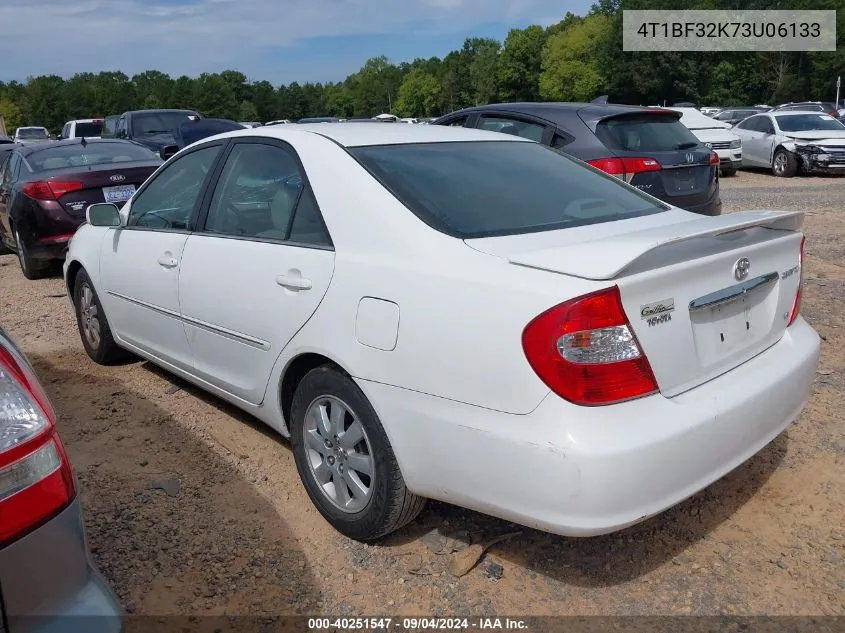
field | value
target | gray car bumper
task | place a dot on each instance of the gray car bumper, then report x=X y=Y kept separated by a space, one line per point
x=49 y=584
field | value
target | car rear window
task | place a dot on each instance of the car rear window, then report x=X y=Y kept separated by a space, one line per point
x=89 y=129
x=79 y=155
x=487 y=188
x=33 y=133
x=648 y=132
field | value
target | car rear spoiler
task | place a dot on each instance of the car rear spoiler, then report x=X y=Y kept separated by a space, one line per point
x=607 y=257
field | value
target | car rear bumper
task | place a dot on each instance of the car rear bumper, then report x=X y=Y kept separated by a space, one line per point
x=49 y=584
x=584 y=471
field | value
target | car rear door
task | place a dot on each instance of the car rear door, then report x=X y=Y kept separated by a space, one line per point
x=140 y=262
x=255 y=270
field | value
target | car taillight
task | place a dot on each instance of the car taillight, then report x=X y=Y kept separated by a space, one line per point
x=586 y=352
x=714 y=158
x=50 y=189
x=625 y=168
x=36 y=480
x=796 y=304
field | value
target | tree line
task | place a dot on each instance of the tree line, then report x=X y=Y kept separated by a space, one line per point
x=576 y=59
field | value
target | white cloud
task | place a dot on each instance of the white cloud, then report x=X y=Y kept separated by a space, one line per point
x=192 y=36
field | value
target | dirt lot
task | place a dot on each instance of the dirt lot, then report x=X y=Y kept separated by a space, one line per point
x=235 y=533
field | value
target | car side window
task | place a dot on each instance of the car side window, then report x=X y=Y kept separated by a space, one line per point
x=765 y=126
x=14 y=166
x=461 y=121
x=560 y=141
x=4 y=170
x=261 y=193
x=516 y=127
x=746 y=124
x=120 y=129
x=167 y=202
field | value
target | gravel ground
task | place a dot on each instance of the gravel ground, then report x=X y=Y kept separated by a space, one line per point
x=194 y=508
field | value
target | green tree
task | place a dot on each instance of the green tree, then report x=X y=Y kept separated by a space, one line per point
x=419 y=94
x=375 y=87
x=519 y=64
x=266 y=103
x=247 y=112
x=483 y=70
x=45 y=102
x=154 y=86
x=182 y=94
x=214 y=97
x=114 y=93
x=11 y=114
x=570 y=70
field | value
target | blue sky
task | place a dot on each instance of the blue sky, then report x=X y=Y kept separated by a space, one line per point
x=277 y=40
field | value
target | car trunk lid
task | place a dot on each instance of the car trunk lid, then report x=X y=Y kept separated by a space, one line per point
x=102 y=183
x=695 y=315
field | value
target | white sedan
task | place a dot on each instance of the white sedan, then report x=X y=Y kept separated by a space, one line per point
x=449 y=313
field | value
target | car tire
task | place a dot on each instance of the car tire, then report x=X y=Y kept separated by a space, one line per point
x=326 y=406
x=729 y=171
x=31 y=268
x=91 y=319
x=784 y=164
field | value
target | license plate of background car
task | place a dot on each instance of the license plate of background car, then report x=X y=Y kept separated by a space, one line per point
x=121 y=193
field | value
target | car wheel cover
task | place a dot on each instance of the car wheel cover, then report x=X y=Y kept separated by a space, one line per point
x=89 y=316
x=338 y=454
x=780 y=162
x=20 y=249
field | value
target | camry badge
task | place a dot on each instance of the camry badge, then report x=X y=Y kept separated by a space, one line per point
x=741 y=268
x=117 y=178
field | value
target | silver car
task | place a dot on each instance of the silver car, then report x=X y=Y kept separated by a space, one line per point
x=47 y=580
x=788 y=141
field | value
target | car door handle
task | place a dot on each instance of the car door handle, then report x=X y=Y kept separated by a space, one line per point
x=168 y=261
x=294 y=282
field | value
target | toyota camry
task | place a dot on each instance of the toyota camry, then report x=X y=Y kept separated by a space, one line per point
x=455 y=314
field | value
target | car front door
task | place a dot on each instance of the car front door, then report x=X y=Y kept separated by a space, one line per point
x=258 y=269
x=140 y=261
x=766 y=144
x=751 y=134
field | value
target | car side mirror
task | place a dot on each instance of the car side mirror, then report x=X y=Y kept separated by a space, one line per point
x=168 y=151
x=103 y=214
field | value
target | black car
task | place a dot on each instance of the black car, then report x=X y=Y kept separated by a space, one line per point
x=45 y=190
x=647 y=147
x=735 y=115
x=195 y=130
x=154 y=129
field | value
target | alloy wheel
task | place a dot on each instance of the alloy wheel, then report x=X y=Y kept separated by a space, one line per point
x=89 y=317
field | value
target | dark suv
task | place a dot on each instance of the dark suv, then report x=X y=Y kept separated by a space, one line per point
x=154 y=129
x=647 y=147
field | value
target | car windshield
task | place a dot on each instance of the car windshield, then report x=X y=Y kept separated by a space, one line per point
x=808 y=123
x=159 y=122
x=79 y=155
x=486 y=188
x=33 y=133
x=647 y=132
x=89 y=129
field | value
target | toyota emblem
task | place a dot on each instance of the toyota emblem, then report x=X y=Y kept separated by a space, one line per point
x=117 y=178
x=741 y=268
x=690 y=157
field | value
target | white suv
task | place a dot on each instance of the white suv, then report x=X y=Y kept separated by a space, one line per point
x=87 y=128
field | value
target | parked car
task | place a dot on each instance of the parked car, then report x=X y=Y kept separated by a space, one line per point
x=709 y=111
x=197 y=129
x=82 y=128
x=319 y=119
x=6 y=147
x=47 y=580
x=647 y=147
x=735 y=115
x=249 y=124
x=279 y=122
x=828 y=107
x=31 y=135
x=45 y=189
x=788 y=142
x=430 y=311
x=717 y=136
x=152 y=128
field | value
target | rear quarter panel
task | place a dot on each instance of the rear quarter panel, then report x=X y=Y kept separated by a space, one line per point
x=461 y=312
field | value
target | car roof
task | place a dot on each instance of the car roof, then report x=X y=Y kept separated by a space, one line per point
x=374 y=133
x=85 y=120
x=552 y=111
x=796 y=112
x=163 y=110
x=26 y=150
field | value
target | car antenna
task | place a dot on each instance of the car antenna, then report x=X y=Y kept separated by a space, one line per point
x=602 y=100
x=83 y=142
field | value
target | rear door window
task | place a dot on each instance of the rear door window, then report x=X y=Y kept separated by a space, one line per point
x=509 y=125
x=645 y=132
